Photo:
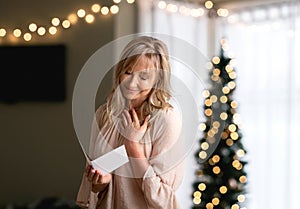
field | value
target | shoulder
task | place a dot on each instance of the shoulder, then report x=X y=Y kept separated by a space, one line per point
x=168 y=114
x=167 y=119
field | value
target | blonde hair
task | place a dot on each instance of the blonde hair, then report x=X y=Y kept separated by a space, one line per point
x=155 y=52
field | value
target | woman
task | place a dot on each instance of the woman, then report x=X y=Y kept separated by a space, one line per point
x=137 y=114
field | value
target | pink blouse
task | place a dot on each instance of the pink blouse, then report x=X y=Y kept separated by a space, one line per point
x=163 y=147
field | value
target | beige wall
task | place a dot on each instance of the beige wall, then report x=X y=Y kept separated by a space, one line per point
x=39 y=152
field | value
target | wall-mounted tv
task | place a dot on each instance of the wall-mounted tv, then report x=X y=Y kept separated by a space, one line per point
x=32 y=73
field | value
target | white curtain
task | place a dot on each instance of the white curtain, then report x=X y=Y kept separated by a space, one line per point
x=177 y=21
x=266 y=45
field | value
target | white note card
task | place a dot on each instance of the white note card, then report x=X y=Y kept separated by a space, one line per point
x=111 y=160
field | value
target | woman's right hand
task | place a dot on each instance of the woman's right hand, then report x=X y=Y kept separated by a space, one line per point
x=99 y=181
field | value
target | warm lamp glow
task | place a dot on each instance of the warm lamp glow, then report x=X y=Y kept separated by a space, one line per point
x=209 y=4
x=104 y=10
x=130 y=1
x=73 y=18
x=66 y=24
x=162 y=4
x=205 y=93
x=89 y=18
x=223 y=189
x=114 y=9
x=215 y=201
x=41 y=31
x=17 y=33
x=202 y=126
x=55 y=21
x=204 y=146
x=216 y=170
x=96 y=8
x=81 y=13
x=2 y=32
x=32 y=27
x=27 y=36
x=201 y=186
x=202 y=154
x=52 y=30
x=216 y=60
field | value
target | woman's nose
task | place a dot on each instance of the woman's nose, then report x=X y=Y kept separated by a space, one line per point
x=133 y=81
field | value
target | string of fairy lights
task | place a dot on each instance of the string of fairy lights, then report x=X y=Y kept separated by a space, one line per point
x=230 y=134
x=192 y=9
x=28 y=31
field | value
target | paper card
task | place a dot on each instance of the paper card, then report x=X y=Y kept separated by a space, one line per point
x=111 y=160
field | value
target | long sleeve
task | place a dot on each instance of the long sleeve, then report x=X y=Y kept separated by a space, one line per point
x=165 y=172
x=85 y=197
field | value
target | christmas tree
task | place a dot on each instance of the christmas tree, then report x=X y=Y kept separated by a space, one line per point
x=221 y=178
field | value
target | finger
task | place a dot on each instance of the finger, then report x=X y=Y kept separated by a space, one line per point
x=87 y=170
x=134 y=116
x=96 y=178
x=91 y=175
x=146 y=121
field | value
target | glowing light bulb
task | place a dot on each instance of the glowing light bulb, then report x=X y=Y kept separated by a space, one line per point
x=81 y=13
x=27 y=36
x=96 y=8
x=223 y=189
x=216 y=158
x=209 y=205
x=224 y=99
x=205 y=93
x=32 y=27
x=202 y=154
x=240 y=153
x=104 y=10
x=2 y=32
x=41 y=31
x=232 y=128
x=213 y=98
x=223 y=115
x=114 y=9
x=208 y=102
x=17 y=33
x=216 y=170
x=197 y=194
x=52 y=30
x=130 y=1
x=208 y=112
x=66 y=24
x=215 y=201
x=172 y=8
x=117 y=1
x=55 y=21
x=222 y=12
x=204 y=146
x=216 y=60
x=202 y=187
x=196 y=201
x=202 y=126
x=243 y=179
x=235 y=206
x=72 y=18
x=241 y=198
x=162 y=4
x=209 y=4
x=229 y=142
x=89 y=18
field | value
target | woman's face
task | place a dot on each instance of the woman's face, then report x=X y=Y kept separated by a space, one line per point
x=137 y=82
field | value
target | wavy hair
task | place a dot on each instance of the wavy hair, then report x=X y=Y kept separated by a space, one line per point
x=155 y=53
